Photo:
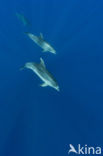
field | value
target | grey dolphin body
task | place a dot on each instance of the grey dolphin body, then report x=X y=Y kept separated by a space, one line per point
x=41 y=42
x=23 y=19
x=42 y=72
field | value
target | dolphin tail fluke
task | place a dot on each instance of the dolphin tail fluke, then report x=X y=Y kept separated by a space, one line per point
x=26 y=33
x=22 y=68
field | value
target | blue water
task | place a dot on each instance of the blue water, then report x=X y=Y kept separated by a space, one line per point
x=36 y=121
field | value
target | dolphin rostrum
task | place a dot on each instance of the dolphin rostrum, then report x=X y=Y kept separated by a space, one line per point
x=42 y=72
x=39 y=40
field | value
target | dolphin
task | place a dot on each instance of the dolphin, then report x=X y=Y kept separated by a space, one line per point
x=23 y=19
x=39 y=40
x=43 y=74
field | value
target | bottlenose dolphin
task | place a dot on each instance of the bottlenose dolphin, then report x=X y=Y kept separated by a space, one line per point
x=41 y=42
x=23 y=19
x=42 y=72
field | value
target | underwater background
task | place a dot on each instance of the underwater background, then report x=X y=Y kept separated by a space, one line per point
x=37 y=121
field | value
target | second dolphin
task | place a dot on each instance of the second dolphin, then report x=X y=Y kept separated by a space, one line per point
x=41 y=42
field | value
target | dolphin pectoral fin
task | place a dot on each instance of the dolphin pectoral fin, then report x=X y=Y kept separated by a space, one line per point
x=41 y=36
x=42 y=62
x=43 y=84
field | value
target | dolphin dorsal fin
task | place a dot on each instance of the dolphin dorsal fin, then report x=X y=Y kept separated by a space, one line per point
x=42 y=62
x=41 y=36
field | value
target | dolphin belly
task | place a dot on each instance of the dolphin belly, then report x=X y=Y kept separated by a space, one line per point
x=45 y=76
x=45 y=46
